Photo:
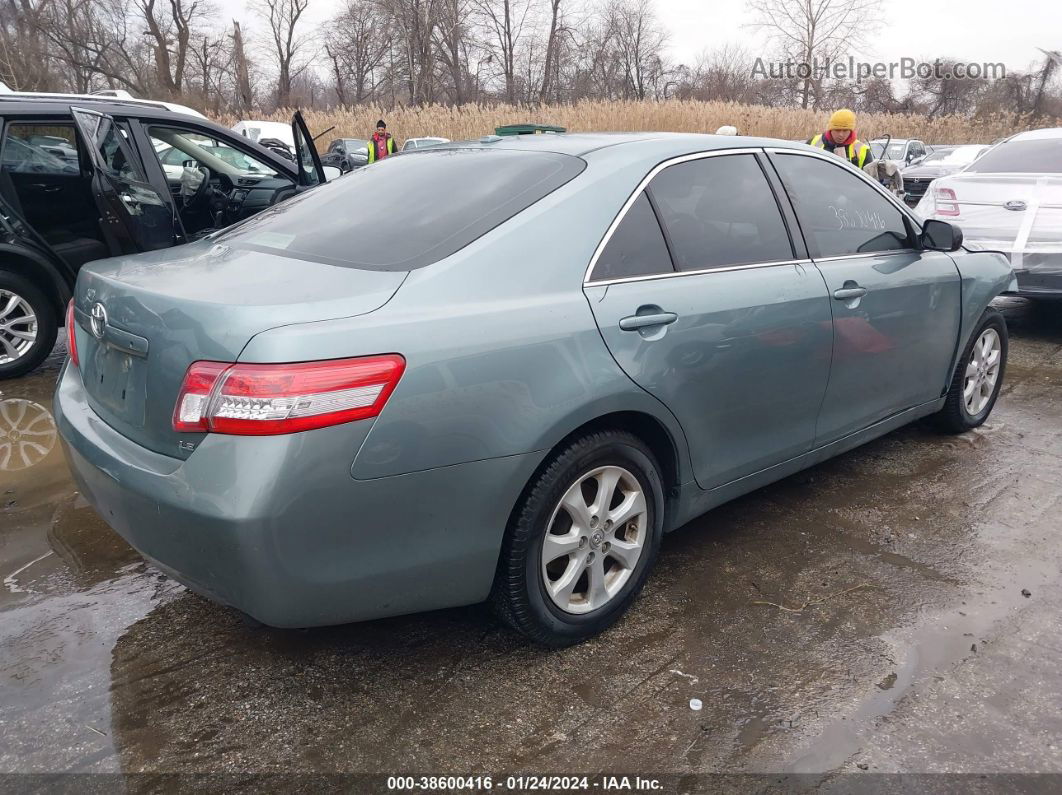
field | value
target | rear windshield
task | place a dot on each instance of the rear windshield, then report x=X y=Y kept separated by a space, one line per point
x=408 y=210
x=1043 y=156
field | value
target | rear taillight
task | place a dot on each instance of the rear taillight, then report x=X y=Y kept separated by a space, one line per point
x=266 y=399
x=947 y=202
x=71 y=337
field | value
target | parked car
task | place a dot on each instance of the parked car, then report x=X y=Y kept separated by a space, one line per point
x=902 y=151
x=510 y=384
x=256 y=130
x=423 y=143
x=1010 y=200
x=147 y=178
x=346 y=154
x=938 y=163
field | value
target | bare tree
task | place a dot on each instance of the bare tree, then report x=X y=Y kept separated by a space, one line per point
x=506 y=24
x=356 y=46
x=241 y=68
x=288 y=49
x=171 y=25
x=814 y=31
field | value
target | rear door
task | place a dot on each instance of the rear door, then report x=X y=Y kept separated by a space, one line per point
x=135 y=216
x=702 y=300
x=896 y=309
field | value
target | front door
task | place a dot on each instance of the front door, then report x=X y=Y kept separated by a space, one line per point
x=311 y=172
x=700 y=299
x=135 y=216
x=896 y=308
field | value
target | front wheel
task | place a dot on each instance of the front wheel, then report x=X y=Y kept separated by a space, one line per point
x=582 y=541
x=28 y=325
x=978 y=376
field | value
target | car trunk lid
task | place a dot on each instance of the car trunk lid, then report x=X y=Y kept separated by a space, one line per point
x=142 y=320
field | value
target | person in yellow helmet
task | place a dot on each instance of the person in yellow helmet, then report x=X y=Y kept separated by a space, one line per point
x=840 y=138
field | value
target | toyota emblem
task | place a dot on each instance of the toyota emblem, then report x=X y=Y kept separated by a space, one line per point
x=1017 y=205
x=98 y=320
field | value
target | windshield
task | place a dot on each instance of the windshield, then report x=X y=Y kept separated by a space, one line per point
x=894 y=152
x=437 y=202
x=1031 y=156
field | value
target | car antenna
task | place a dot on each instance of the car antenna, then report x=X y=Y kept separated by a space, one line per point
x=325 y=132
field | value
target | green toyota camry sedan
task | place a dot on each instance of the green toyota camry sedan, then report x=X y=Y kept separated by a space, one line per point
x=501 y=370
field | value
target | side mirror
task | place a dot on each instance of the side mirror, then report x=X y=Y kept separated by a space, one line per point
x=941 y=236
x=331 y=172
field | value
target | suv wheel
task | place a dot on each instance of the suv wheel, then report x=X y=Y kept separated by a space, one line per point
x=27 y=325
x=582 y=542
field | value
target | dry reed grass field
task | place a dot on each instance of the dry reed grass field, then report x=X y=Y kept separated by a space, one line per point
x=472 y=121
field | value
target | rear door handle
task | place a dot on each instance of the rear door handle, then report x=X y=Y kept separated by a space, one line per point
x=635 y=322
x=848 y=293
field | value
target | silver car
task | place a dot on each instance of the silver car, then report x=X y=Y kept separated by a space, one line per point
x=547 y=352
x=1010 y=200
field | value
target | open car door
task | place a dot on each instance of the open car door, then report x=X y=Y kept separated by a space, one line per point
x=311 y=172
x=135 y=217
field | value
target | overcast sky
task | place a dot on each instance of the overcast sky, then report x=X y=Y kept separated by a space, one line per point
x=968 y=30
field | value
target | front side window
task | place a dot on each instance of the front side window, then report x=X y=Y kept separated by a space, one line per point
x=636 y=248
x=840 y=213
x=176 y=148
x=720 y=212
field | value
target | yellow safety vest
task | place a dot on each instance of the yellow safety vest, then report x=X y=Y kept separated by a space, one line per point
x=855 y=153
x=372 y=148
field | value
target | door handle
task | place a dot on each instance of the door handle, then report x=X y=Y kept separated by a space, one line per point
x=635 y=322
x=848 y=293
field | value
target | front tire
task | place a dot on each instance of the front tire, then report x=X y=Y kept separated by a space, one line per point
x=978 y=376
x=28 y=325
x=582 y=541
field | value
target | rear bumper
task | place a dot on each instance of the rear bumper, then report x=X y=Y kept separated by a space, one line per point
x=278 y=528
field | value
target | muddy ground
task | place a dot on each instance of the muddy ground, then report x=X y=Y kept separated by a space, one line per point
x=916 y=626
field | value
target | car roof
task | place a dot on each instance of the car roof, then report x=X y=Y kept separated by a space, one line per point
x=48 y=104
x=78 y=99
x=582 y=144
x=1045 y=134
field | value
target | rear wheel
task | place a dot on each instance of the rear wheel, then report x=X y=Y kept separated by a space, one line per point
x=582 y=542
x=978 y=376
x=28 y=325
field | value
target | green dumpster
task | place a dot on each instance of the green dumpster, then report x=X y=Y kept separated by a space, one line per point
x=528 y=129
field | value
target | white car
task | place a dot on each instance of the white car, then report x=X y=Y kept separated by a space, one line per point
x=423 y=143
x=1010 y=200
x=902 y=151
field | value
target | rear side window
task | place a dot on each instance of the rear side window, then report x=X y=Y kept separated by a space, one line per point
x=636 y=248
x=46 y=149
x=840 y=214
x=1042 y=156
x=408 y=210
x=720 y=211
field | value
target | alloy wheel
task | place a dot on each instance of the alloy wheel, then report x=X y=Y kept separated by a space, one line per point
x=982 y=371
x=18 y=326
x=594 y=540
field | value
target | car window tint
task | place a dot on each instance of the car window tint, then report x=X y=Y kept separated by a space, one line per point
x=1029 y=156
x=47 y=149
x=839 y=212
x=406 y=212
x=720 y=211
x=637 y=246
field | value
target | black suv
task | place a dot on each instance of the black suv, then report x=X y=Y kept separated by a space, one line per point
x=84 y=179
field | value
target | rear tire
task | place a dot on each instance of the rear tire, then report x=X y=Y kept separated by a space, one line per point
x=34 y=313
x=582 y=541
x=978 y=376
